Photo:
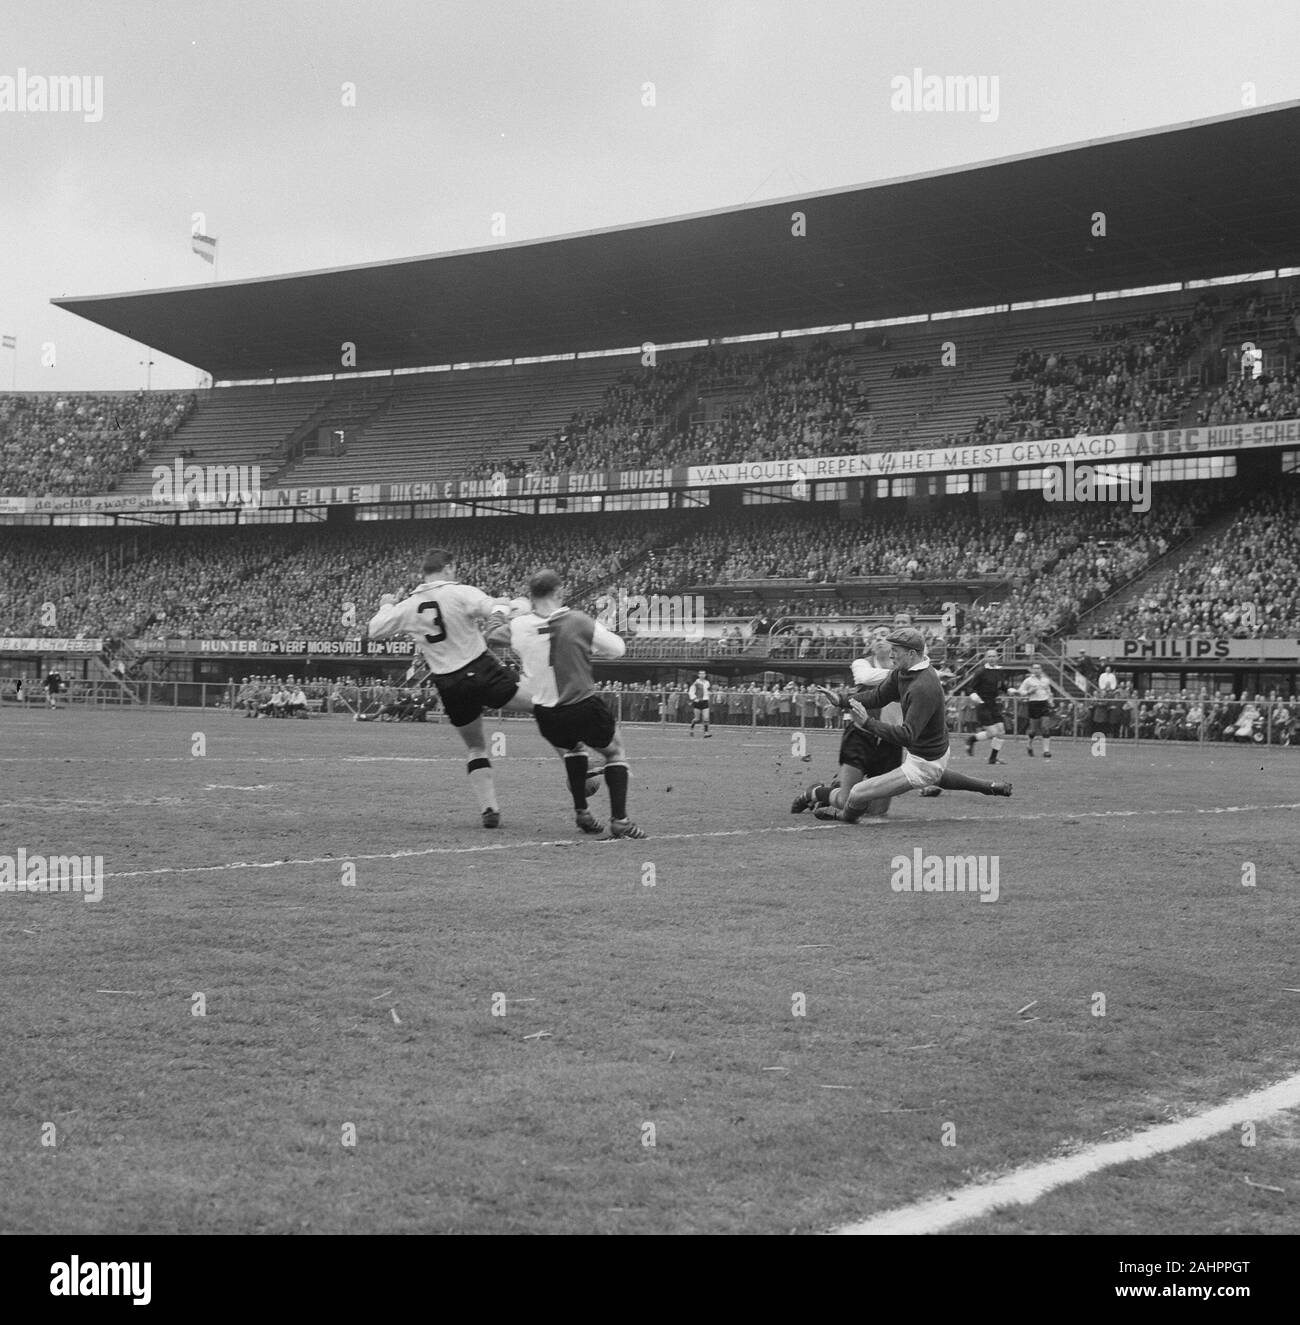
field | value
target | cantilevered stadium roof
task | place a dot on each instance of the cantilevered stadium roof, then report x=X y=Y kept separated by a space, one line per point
x=1211 y=198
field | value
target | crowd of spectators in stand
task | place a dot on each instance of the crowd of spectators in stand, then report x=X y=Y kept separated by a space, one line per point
x=73 y=445
x=1043 y=565
x=800 y=404
x=1130 y=382
x=789 y=405
x=1242 y=584
x=279 y=582
x=1245 y=399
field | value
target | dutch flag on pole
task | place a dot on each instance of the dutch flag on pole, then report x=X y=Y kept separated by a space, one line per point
x=8 y=343
x=205 y=246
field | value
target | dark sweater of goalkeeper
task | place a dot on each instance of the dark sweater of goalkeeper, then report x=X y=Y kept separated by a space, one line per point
x=916 y=688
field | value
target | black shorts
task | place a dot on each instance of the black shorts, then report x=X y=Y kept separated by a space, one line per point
x=588 y=722
x=988 y=715
x=481 y=685
x=700 y=703
x=860 y=749
x=1039 y=708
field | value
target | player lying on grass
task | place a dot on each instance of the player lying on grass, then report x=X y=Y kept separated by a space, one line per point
x=863 y=754
x=443 y=619
x=922 y=734
x=556 y=645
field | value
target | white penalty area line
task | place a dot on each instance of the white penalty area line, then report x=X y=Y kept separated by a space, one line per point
x=1025 y=1186
x=416 y=853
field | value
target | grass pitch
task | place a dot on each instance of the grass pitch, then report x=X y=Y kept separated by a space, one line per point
x=650 y=1071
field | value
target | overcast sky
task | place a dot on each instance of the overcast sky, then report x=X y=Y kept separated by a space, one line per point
x=534 y=108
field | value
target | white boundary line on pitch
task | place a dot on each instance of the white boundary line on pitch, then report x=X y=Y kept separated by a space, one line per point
x=417 y=852
x=297 y=759
x=1025 y=1186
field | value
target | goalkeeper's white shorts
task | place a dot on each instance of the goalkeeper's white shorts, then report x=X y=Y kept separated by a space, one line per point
x=924 y=772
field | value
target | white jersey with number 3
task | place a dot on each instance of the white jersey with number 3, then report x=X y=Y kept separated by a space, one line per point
x=442 y=617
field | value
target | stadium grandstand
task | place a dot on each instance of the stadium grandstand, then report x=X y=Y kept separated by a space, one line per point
x=804 y=417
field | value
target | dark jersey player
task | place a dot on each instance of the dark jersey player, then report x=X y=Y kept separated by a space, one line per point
x=865 y=754
x=862 y=754
x=987 y=684
x=922 y=733
x=556 y=645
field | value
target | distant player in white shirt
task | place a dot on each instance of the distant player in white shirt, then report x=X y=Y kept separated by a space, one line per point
x=698 y=693
x=1037 y=689
x=557 y=645
x=443 y=618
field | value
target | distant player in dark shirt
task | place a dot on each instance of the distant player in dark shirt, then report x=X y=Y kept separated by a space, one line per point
x=987 y=684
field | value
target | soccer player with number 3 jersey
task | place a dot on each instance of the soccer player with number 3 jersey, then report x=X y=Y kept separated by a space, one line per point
x=443 y=618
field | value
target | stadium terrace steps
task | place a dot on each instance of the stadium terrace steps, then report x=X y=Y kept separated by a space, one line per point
x=441 y=425
x=233 y=426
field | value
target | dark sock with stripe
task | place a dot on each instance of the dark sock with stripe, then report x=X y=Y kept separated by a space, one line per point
x=616 y=778
x=955 y=781
x=575 y=769
x=820 y=794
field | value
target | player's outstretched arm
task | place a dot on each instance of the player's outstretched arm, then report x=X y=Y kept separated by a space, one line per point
x=387 y=621
x=877 y=696
x=605 y=644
